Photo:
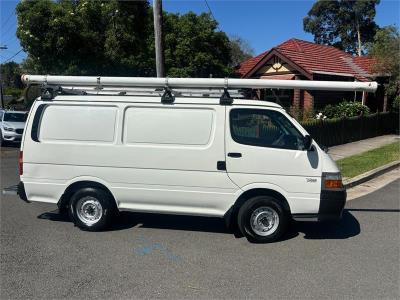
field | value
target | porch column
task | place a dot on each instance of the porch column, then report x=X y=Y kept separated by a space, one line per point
x=308 y=101
x=385 y=102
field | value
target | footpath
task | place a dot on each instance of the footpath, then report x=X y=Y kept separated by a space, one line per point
x=368 y=181
x=345 y=150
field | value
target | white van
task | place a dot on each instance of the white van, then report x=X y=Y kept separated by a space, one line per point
x=248 y=162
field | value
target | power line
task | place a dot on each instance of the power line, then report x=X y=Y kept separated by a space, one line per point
x=211 y=13
x=13 y=56
x=4 y=24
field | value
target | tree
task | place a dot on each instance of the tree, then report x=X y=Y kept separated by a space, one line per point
x=194 y=48
x=11 y=75
x=240 y=50
x=90 y=37
x=85 y=37
x=385 y=49
x=346 y=24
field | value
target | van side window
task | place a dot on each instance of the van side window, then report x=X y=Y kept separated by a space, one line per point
x=264 y=128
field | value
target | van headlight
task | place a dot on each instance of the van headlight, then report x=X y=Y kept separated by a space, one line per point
x=8 y=128
x=332 y=181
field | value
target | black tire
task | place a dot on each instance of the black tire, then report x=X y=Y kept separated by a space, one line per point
x=263 y=206
x=90 y=200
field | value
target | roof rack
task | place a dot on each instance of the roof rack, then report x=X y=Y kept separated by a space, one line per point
x=53 y=85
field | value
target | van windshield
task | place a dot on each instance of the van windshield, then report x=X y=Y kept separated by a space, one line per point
x=15 y=117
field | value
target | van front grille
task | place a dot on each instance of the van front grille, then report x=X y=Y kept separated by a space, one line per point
x=19 y=131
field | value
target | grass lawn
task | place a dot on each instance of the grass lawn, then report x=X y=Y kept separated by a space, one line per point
x=357 y=164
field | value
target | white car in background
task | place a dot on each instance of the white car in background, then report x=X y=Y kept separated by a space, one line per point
x=12 y=125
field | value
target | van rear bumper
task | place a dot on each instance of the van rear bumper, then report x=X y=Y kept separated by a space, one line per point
x=331 y=207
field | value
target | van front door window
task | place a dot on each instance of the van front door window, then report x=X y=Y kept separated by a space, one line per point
x=264 y=128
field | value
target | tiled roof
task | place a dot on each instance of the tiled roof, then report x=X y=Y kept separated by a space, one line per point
x=314 y=58
x=247 y=65
x=365 y=62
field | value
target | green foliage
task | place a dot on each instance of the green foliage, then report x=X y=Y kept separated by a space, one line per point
x=345 y=109
x=193 y=47
x=14 y=92
x=385 y=49
x=341 y=22
x=84 y=37
x=240 y=50
x=396 y=104
x=116 y=38
x=11 y=75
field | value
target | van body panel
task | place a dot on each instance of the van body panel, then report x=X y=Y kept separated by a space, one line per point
x=296 y=172
x=167 y=167
x=163 y=158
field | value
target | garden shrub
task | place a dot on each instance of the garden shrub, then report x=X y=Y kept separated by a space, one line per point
x=345 y=109
x=396 y=103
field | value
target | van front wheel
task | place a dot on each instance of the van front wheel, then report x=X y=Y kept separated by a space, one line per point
x=91 y=209
x=262 y=219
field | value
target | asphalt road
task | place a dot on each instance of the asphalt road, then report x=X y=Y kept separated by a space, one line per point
x=159 y=256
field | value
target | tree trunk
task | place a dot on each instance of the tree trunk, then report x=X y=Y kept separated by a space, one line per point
x=359 y=39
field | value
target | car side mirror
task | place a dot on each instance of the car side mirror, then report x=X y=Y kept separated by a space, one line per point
x=325 y=149
x=307 y=142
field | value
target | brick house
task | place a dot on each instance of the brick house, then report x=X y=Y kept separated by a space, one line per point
x=301 y=60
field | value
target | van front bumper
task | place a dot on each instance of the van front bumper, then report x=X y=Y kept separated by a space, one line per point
x=331 y=207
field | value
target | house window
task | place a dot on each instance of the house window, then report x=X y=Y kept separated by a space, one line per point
x=281 y=97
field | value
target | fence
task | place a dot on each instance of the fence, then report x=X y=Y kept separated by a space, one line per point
x=340 y=131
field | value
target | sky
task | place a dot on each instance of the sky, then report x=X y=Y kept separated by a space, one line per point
x=263 y=23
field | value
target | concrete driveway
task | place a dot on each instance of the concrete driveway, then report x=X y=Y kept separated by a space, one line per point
x=160 y=256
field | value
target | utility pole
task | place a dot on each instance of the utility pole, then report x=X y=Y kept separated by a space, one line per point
x=158 y=35
x=1 y=80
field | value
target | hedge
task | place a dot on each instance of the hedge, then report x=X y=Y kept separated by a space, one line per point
x=331 y=132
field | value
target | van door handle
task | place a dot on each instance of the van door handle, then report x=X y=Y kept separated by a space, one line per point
x=235 y=154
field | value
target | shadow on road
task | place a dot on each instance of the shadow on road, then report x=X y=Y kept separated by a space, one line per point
x=10 y=146
x=347 y=227
x=374 y=209
x=127 y=220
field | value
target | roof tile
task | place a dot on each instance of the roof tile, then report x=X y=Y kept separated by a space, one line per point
x=315 y=58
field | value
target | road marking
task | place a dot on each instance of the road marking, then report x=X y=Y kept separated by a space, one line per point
x=151 y=247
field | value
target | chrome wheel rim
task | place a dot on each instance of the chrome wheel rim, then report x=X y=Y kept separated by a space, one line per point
x=89 y=210
x=264 y=221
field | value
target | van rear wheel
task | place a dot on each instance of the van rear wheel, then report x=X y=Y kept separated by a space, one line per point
x=262 y=219
x=92 y=209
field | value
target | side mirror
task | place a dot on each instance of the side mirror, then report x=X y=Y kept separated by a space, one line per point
x=307 y=142
x=326 y=149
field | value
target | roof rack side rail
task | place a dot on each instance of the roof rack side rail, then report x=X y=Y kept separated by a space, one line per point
x=200 y=83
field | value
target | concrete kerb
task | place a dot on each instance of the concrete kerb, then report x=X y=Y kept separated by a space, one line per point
x=352 y=182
